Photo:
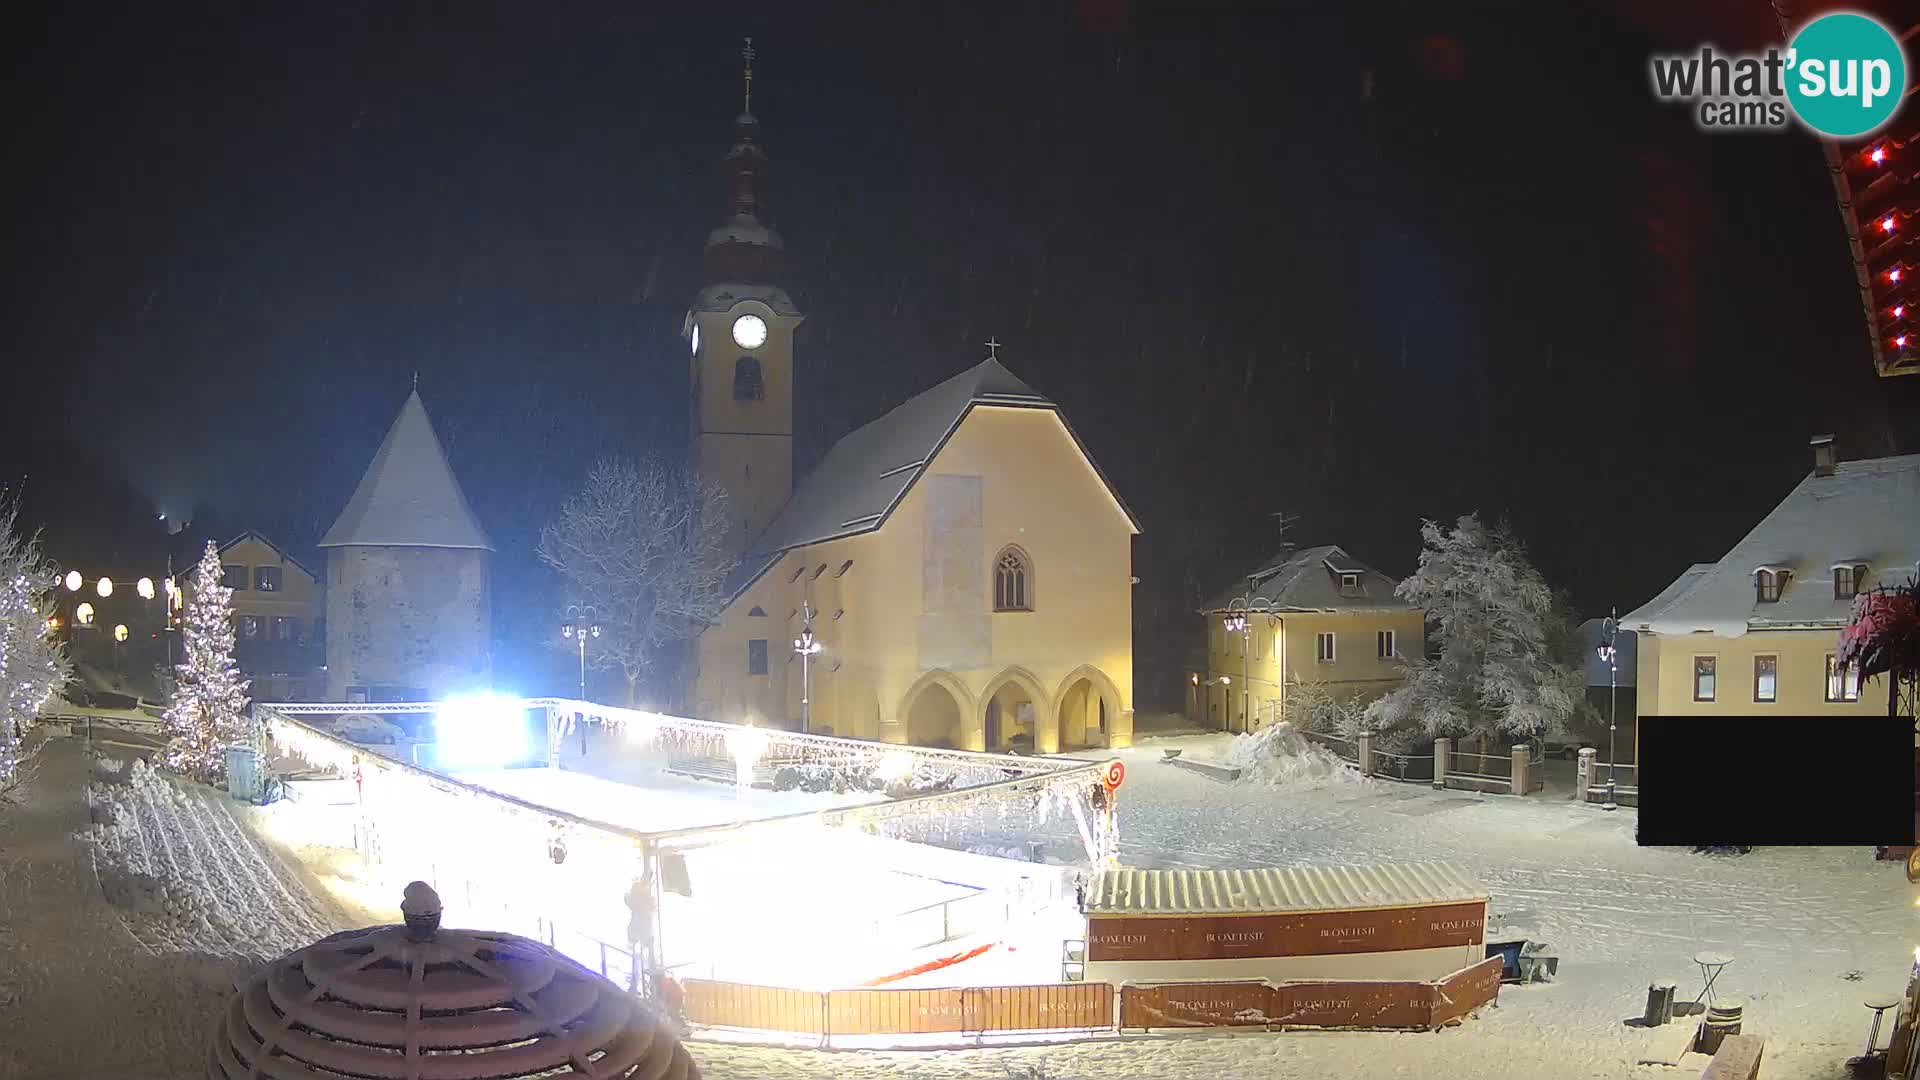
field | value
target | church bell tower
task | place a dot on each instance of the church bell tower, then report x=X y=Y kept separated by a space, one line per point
x=740 y=334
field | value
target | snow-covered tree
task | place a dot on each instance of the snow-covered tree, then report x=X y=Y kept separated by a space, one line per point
x=209 y=709
x=645 y=544
x=1495 y=625
x=33 y=667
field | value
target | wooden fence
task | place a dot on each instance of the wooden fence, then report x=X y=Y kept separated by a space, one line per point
x=1091 y=1006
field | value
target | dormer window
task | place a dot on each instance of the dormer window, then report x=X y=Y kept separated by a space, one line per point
x=1768 y=583
x=1848 y=580
x=1350 y=585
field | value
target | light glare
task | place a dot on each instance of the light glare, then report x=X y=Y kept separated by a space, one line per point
x=481 y=730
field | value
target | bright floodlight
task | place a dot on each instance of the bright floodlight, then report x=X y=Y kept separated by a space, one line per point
x=83 y=614
x=105 y=587
x=73 y=581
x=144 y=587
x=896 y=765
x=478 y=731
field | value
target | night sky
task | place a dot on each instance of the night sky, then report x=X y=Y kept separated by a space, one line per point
x=1361 y=266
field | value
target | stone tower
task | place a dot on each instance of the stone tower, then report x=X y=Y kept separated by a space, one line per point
x=740 y=333
x=408 y=606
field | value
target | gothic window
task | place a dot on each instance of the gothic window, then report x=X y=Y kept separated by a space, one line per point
x=757 y=656
x=1012 y=581
x=747 y=382
x=758 y=612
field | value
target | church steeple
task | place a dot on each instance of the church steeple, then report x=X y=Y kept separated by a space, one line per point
x=745 y=249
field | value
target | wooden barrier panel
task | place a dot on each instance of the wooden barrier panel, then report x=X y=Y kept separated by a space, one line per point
x=1209 y=1004
x=1055 y=1007
x=1307 y=933
x=761 y=1008
x=1353 y=1004
x=1466 y=990
x=896 y=1012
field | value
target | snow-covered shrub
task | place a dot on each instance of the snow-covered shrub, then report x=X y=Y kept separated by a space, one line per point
x=1278 y=755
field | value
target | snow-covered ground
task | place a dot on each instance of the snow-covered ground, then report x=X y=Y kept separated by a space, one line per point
x=1812 y=932
x=652 y=800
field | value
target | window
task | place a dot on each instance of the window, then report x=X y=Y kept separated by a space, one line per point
x=1384 y=645
x=758 y=612
x=797 y=571
x=747 y=383
x=1848 y=581
x=249 y=627
x=821 y=569
x=1703 y=677
x=1768 y=583
x=1350 y=585
x=837 y=613
x=1012 y=581
x=757 y=656
x=234 y=577
x=844 y=567
x=266 y=579
x=284 y=628
x=1766 y=678
x=1843 y=684
x=1323 y=646
x=356 y=695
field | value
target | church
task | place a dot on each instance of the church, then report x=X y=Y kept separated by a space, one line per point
x=957 y=572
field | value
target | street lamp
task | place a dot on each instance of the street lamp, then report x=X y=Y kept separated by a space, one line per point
x=581 y=624
x=1611 y=657
x=807 y=648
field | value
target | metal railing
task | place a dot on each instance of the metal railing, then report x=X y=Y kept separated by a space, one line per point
x=1627 y=779
x=1411 y=768
x=1480 y=766
x=1346 y=749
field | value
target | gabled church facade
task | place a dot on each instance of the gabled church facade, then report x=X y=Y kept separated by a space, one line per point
x=960 y=567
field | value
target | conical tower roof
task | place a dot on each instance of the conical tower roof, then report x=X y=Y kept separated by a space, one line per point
x=409 y=496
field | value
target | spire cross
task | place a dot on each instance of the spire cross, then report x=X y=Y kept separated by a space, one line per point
x=993 y=348
x=416 y=380
x=747 y=54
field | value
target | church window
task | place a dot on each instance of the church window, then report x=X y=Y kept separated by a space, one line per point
x=757 y=656
x=844 y=567
x=797 y=571
x=758 y=612
x=821 y=569
x=1012 y=581
x=747 y=382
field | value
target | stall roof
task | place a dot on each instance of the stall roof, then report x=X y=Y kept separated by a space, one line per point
x=1279 y=889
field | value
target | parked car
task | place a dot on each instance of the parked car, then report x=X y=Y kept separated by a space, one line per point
x=367 y=729
x=1563 y=745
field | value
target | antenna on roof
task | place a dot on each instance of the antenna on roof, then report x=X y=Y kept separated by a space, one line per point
x=1282 y=522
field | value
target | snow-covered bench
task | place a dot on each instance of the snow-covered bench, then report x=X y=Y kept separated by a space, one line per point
x=1206 y=768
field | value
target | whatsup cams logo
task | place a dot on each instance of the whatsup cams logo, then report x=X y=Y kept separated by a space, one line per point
x=1841 y=75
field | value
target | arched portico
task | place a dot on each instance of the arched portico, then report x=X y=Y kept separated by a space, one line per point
x=1015 y=712
x=937 y=710
x=1087 y=706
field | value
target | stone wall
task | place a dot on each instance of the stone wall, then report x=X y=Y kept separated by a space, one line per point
x=413 y=617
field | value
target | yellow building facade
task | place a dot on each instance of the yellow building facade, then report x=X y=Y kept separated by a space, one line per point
x=1314 y=621
x=1757 y=631
x=279 y=618
x=960 y=566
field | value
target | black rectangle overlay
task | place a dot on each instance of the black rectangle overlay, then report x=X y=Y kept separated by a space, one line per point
x=1776 y=781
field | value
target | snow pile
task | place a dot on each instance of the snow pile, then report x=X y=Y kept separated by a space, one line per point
x=1279 y=756
x=186 y=875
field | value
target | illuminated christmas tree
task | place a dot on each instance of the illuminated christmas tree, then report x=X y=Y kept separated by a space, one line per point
x=33 y=667
x=209 y=710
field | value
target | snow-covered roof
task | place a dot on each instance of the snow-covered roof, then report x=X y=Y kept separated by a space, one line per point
x=1308 y=579
x=1865 y=512
x=409 y=496
x=722 y=297
x=866 y=474
x=1279 y=889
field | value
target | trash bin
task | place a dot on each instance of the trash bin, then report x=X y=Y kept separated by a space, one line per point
x=243 y=773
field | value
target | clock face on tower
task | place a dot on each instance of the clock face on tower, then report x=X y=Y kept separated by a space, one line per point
x=749 y=332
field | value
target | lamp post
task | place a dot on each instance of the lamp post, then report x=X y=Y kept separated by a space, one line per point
x=1611 y=655
x=808 y=648
x=105 y=587
x=581 y=623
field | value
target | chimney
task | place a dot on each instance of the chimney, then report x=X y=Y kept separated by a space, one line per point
x=1823 y=456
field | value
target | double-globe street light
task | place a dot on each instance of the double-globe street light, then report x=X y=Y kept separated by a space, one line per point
x=582 y=622
x=1610 y=656
x=84 y=613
